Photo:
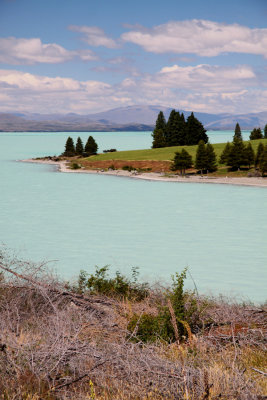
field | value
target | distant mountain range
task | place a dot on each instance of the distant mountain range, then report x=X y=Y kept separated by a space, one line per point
x=131 y=118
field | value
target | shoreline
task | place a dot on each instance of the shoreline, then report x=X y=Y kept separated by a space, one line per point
x=154 y=176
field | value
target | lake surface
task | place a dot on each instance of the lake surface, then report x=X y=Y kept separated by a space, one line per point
x=83 y=220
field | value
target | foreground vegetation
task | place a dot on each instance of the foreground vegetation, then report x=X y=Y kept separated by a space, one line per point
x=115 y=338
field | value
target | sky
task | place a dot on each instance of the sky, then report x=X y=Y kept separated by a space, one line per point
x=85 y=56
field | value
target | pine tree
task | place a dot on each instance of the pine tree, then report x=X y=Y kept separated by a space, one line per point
x=170 y=128
x=260 y=150
x=238 y=133
x=91 y=147
x=181 y=131
x=79 y=146
x=69 y=148
x=182 y=160
x=256 y=133
x=211 y=158
x=263 y=161
x=225 y=154
x=265 y=132
x=236 y=156
x=160 y=126
x=201 y=157
x=158 y=139
x=195 y=131
x=249 y=155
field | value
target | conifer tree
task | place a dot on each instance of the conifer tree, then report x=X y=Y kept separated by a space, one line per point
x=211 y=158
x=91 y=146
x=69 y=148
x=225 y=154
x=170 y=128
x=263 y=161
x=158 y=139
x=79 y=146
x=181 y=131
x=265 y=132
x=201 y=157
x=259 y=152
x=236 y=156
x=238 y=133
x=159 y=136
x=182 y=161
x=256 y=133
x=195 y=131
x=249 y=155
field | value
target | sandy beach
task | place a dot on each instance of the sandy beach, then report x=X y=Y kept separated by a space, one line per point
x=153 y=176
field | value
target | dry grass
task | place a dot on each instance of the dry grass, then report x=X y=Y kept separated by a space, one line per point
x=56 y=344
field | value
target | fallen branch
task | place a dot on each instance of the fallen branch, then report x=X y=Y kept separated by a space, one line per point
x=260 y=372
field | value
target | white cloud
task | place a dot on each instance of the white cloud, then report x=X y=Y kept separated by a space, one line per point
x=94 y=36
x=201 y=37
x=199 y=88
x=31 y=51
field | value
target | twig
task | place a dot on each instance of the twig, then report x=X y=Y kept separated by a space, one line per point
x=174 y=323
x=67 y=384
x=260 y=372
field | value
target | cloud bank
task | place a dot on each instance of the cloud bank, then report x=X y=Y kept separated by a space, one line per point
x=199 y=88
x=200 y=37
x=17 y=51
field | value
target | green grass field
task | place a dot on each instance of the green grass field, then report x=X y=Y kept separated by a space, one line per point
x=163 y=154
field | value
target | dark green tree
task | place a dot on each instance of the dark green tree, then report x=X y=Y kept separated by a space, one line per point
x=211 y=158
x=182 y=161
x=263 y=161
x=236 y=156
x=158 y=139
x=160 y=125
x=171 y=128
x=91 y=146
x=181 y=131
x=225 y=154
x=238 y=133
x=265 y=132
x=69 y=148
x=256 y=133
x=175 y=129
x=79 y=146
x=201 y=157
x=195 y=131
x=249 y=155
x=259 y=152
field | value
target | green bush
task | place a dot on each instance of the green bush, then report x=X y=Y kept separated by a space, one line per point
x=75 y=166
x=118 y=286
x=149 y=328
x=128 y=168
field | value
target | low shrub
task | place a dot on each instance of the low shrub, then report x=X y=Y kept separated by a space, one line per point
x=75 y=166
x=174 y=320
x=109 y=151
x=119 y=286
x=128 y=168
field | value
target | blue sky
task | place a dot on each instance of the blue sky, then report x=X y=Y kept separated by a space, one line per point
x=84 y=56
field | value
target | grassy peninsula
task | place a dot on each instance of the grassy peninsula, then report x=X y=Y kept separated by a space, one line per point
x=112 y=337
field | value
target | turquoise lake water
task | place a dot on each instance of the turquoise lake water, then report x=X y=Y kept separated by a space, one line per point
x=83 y=220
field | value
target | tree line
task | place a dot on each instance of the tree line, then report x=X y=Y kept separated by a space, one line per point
x=256 y=133
x=79 y=149
x=205 y=160
x=235 y=155
x=178 y=131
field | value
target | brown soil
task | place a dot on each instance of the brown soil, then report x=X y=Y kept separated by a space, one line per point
x=155 y=166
